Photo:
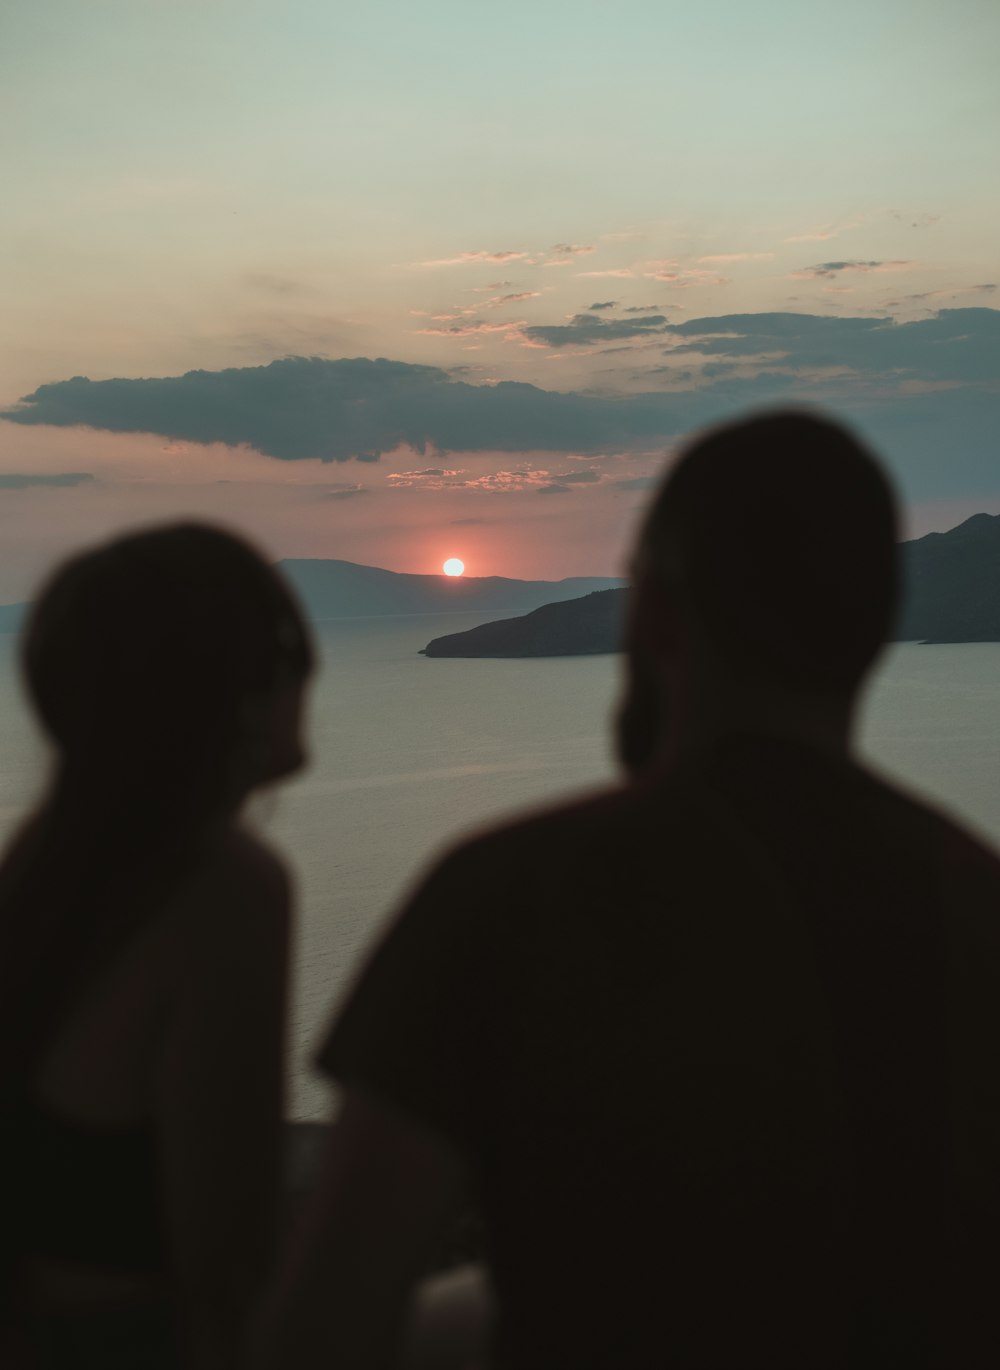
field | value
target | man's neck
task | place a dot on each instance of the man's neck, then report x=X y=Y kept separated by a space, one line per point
x=718 y=714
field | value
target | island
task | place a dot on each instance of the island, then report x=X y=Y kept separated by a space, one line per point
x=950 y=593
x=574 y=627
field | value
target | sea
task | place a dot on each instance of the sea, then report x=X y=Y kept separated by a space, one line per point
x=410 y=754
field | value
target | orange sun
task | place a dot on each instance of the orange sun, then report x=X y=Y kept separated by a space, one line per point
x=453 y=567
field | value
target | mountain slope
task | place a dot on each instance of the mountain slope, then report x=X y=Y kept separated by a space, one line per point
x=577 y=627
x=951 y=593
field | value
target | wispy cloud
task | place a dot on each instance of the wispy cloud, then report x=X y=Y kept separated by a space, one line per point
x=464 y=330
x=564 y=254
x=831 y=269
x=616 y=272
x=498 y=301
x=987 y=288
x=584 y=329
x=472 y=258
x=348 y=492
x=588 y=476
x=684 y=279
x=602 y=304
x=430 y=478
x=509 y=482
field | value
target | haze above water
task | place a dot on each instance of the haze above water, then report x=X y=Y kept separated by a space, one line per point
x=409 y=753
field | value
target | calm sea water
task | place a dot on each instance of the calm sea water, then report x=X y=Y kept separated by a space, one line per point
x=408 y=754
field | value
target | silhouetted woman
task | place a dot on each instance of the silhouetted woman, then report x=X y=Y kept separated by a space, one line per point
x=142 y=956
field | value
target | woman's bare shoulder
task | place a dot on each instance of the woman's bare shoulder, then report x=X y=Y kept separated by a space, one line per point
x=242 y=889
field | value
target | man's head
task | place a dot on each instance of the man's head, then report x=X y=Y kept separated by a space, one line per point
x=767 y=561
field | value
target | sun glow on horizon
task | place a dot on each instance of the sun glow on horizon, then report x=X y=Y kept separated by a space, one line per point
x=454 y=567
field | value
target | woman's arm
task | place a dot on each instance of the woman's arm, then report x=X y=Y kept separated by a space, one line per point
x=388 y=1189
x=220 y=1099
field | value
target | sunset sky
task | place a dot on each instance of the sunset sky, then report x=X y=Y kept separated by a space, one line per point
x=358 y=223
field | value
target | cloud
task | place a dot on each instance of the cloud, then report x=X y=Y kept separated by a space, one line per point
x=961 y=345
x=312 y=408
x=578 y=477
x=509 y=482
x=431 y=478
x=348 y=492
x=591 y=328
x=18 y=481
x=641 y=308
x=499 y=300
x=464 y=330
x=471 y=258
x=603 y=304
x=988 y=288
x=831 y=269
x=618 y=271
x=686 y=278
x=564 y=254
x=554 y=489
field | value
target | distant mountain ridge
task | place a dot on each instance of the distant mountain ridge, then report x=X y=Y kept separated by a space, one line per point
x=332 y=589
x=346 y=589
x=951 y=593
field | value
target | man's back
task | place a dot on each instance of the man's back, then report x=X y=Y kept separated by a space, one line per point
x=721 y=1049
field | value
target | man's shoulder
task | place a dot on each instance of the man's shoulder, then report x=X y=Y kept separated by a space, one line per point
x=929 y=821
x=578 y=836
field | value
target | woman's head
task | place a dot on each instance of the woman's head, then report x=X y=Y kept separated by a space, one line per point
x=174 y=657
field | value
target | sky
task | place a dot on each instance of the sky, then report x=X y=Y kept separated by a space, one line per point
x=394 y=282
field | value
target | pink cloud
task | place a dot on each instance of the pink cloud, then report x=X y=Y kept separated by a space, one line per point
x=564 y=254
x=431 y=478
x=683 y=280
x=467 y=258
x=615 y=271
x=465 y=329
x=498 y=300
x=507 y=481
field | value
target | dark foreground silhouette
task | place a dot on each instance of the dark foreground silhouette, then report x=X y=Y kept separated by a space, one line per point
x=142 y=959
x=716 y=1050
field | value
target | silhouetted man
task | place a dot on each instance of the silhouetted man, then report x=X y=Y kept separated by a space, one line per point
x=718 y=1050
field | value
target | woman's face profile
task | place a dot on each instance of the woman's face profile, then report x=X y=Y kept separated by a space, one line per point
x=274 y=746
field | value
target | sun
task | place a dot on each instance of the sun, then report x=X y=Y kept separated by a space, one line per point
x=454 y=567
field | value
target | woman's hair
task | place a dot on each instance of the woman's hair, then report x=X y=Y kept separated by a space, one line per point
x=143 y=659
